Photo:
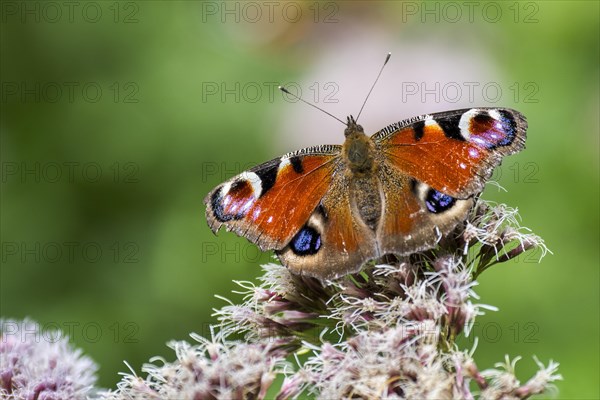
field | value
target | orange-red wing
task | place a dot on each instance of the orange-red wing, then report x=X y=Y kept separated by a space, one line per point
x=454 y=152
x=271 y=202
x=340 y=241
x=407 y=225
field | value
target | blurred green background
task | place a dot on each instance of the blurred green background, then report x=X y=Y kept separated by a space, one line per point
x=118 y=117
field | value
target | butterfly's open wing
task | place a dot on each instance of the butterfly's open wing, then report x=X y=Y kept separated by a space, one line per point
x=437 y=164
x=334 y=241
x=270 y=203
x=454 y=152
x=415 y=215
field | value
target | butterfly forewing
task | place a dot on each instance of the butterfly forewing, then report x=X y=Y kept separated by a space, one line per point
x=271 y=202
x=455 y=151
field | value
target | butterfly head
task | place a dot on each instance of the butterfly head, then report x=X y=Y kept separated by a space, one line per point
x=352 y=128
x=358 y=148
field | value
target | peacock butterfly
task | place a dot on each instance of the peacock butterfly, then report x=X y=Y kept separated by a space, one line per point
x=327 y=210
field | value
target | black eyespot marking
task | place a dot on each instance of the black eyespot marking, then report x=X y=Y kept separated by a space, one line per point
x=510 y=127
x=482 y=118
x=450 y=127
x=218 y=209
x=438 y=202
x=321 y=210
x=297 y=164
x=306 y=242
x=267 y=177
x=491 y=133
x=419 y=128
x=413 y=186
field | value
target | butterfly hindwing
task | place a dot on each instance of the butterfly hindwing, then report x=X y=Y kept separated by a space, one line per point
x=415 y=216
x=454 y=152
x=335 y=240
x=269 y=203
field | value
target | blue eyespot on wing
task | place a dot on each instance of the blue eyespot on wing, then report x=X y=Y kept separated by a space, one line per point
x=438 y=202
x=306 y=242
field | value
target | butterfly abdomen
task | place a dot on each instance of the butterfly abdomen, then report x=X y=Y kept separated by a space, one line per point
x=367 y=199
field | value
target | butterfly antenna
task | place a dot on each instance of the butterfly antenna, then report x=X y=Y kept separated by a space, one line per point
x=387 y=58
x=284 y=90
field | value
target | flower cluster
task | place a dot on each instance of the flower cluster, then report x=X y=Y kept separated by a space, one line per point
x=41 y=365
x=210 y=369
x=388 y=331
